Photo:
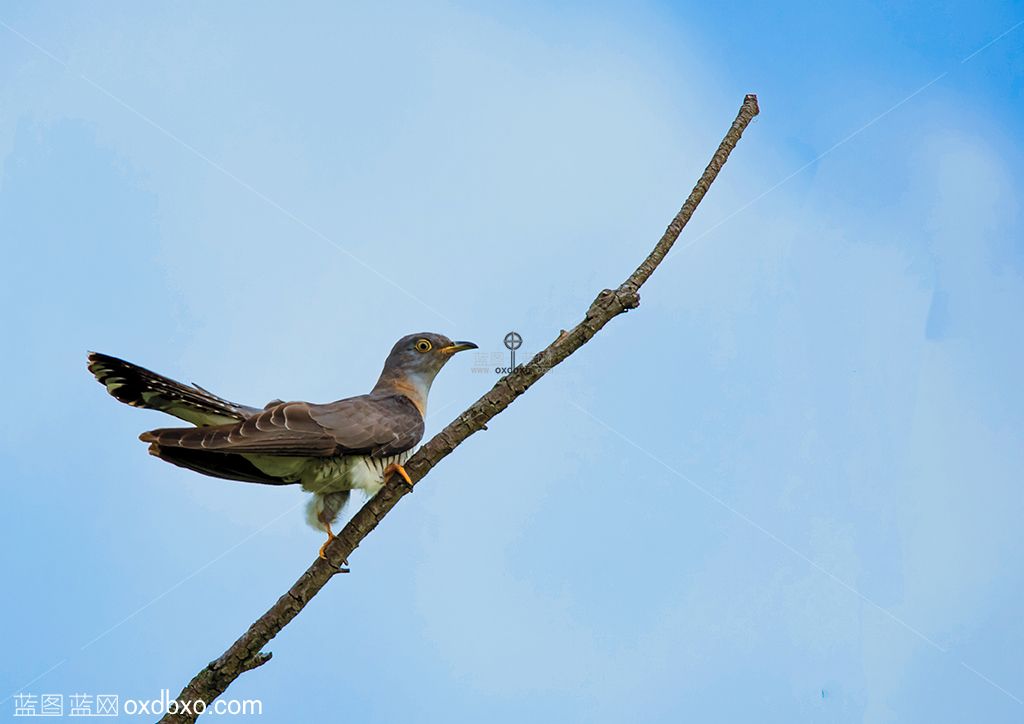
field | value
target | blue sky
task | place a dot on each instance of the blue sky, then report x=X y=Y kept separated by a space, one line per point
x=785 y=489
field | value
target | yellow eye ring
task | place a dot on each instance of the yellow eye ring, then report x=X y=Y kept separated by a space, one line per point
x=423 y=345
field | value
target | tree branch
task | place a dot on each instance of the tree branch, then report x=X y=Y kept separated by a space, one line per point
x=245 y=653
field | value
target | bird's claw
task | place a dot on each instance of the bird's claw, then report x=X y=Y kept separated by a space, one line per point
x=323 y=552
x=323 y=557
x=396 y=468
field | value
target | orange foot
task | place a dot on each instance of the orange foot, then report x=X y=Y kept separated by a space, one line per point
x=396 y=468
x=330 y=537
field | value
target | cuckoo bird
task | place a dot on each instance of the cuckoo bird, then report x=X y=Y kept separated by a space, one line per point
x=329 y=449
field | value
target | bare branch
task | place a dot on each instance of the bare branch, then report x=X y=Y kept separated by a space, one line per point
x=245 y=653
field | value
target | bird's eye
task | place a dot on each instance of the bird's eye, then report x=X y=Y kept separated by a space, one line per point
x=423 y=345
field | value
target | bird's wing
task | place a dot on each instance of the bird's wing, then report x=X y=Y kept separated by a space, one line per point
x=379 y=425
x=358 y=425
x=286 y=429
x=229 y=466
x=139 y=387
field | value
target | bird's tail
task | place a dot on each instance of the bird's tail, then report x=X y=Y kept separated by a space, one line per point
x=139 y=387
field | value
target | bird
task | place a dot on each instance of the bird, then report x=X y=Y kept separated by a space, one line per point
x=329 y=449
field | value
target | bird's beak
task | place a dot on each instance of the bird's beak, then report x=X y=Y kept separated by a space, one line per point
x=456 y=347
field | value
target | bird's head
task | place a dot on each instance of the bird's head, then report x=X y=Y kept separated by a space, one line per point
x=414 y=362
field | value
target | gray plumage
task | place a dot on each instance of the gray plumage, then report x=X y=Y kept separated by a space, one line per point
x=330 y=449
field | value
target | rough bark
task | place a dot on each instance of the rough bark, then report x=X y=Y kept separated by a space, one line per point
x=246 y=653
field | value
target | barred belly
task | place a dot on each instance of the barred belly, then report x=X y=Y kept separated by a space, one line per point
x=349 y=472
x=331 y=479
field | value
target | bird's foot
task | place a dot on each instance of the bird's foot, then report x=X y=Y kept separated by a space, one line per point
x=323 y=549
x=396 y=468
